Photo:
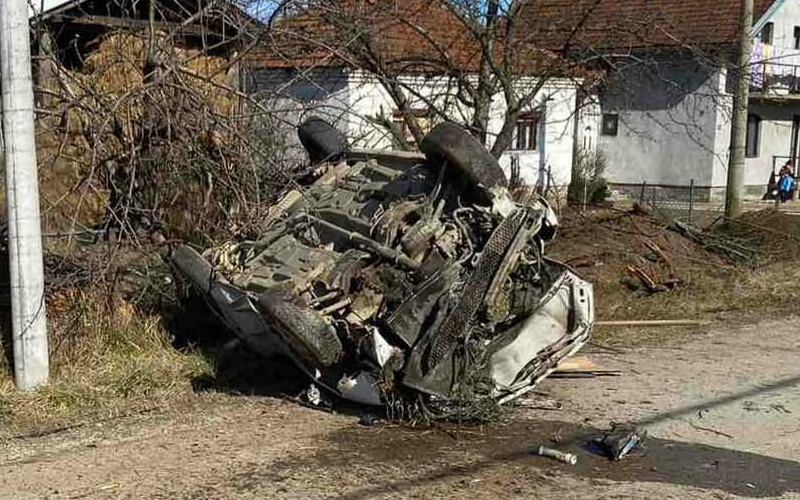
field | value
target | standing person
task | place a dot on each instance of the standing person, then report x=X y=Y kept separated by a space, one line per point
x=785 y=182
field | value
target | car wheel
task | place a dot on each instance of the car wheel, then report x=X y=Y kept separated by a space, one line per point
x=321 y=140
x=462 y=151
x=306 y=334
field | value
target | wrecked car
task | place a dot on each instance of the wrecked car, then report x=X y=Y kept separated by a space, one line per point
x=398 y=276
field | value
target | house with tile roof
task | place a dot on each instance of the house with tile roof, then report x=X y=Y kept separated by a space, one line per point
x=350 y=63
x=667 y=98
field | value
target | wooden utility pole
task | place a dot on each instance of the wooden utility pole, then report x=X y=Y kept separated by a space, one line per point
x=29 y=333
x=736 y=158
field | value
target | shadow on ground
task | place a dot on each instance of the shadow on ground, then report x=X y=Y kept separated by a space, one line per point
x=406 y=459
x=456 y=454
x=238 y=370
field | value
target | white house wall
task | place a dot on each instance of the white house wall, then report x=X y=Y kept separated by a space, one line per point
x=775 y=140
x=551 y=163
x=358 y=104
x=722 y=132
x=587 y=130
x=290 y=96
x=775 y=106
x=784 y=20
x=667 y=124
x=368 y=99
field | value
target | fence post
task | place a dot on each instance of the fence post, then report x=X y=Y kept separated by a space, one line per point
x=641 y=195
x=654 y=198
x=691 y=200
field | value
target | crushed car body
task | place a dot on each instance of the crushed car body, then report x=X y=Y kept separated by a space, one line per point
x=398 y=275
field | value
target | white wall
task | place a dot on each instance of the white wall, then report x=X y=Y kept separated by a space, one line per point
x=722 y=132
x=551 y=162
x=775 y=111
x=587 y=131
x=289 y=96
x=784 y=19
x=358 y=102
x=774 y=141
x=368 y=98
x=668 y=119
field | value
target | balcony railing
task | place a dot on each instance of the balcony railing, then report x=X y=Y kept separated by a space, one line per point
x=774 y=69
x=778 y=78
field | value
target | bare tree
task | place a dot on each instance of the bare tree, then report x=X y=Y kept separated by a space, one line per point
x=475 y=46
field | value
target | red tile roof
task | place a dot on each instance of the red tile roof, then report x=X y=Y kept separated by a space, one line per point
x=632 y=23
x=404 y=36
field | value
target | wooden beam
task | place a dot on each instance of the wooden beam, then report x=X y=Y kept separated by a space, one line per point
x=655 y=322
x=124 y=22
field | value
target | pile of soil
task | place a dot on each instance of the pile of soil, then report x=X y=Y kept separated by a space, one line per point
x=605 y=245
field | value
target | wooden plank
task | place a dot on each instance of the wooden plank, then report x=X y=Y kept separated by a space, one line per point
x=125 y=22
x=582 y=366
x=654 y=322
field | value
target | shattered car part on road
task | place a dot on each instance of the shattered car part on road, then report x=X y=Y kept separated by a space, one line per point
x=396 y=275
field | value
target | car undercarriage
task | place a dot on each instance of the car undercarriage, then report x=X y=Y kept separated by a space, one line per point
x=398 y=276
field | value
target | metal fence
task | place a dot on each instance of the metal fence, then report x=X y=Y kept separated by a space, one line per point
x=692 y=204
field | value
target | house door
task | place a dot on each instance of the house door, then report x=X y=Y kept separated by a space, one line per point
x=795 y=147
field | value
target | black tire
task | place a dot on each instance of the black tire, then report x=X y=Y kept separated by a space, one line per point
x=321 y=140
x=303 y=330
x=462 y=151
x=192 y=266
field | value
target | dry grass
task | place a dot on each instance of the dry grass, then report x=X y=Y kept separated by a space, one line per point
x=106 y=360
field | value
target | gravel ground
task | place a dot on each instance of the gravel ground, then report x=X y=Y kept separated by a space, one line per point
x=721 y=410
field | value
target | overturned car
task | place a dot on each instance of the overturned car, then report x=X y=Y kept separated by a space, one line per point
x=401 y=276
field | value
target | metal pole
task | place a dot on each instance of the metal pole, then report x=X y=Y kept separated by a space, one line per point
x=735 y=187
x=29 y=331
x=654 y=198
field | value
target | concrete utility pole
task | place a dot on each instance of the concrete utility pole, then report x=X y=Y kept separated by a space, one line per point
x=31 y=363
x=736 y=158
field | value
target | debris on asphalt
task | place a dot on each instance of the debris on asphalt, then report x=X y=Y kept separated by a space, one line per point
x=368 y=419
x=709 y=429
x=621 y=440
x=402 y=277
x=561 y=456
x=314 y=397
x=539 y=403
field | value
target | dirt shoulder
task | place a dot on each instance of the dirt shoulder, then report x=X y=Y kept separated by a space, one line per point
x=721 y=410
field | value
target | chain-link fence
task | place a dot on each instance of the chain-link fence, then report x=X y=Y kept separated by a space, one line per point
x=692 y=204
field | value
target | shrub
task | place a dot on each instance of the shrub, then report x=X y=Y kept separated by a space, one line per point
x=588 y=184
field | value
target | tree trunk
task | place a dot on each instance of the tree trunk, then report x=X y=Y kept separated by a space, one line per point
x=485 y=90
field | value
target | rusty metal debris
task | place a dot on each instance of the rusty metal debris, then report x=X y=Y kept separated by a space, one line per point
x=402 y=277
